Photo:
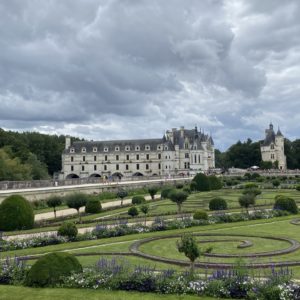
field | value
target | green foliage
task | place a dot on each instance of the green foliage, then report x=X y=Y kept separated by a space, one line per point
x=53 y=202
x=250 y=185
x=165 y=192
x=298 y=187
x=93 y=206
x=276 y=183
x=266 y=165
x=200 y=183
x=48 y=270
x=187 y=189
x=152 y=190
x=215 y=183
x=178 y=197
x=121 y=193
x=16 y=213
x=179 y=185
x=188 y=245
x=285 y=203
x=247 y=200
x=76 y=201
x=253 y=191
x=68 y=229
x=144 y=209
x=133 y=211
x=200 y=215
x=217 y=203
x=136 y=200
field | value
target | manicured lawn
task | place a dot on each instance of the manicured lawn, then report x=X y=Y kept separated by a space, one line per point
x=24 y=293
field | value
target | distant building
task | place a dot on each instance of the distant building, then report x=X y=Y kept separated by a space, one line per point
x=179 y=151
x=272 y=148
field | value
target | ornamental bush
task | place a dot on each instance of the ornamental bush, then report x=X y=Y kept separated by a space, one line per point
x=298 y=188
x=68 y=229
x=217 y=203
x=152 y=190
x=285 y=203
x=200 y=183
x=215 y=183
x=16 y=213
x=136 y=200
x=166 y=191
x=200 y=215
x=133 y=211
x=48 y=270
x=93 y=206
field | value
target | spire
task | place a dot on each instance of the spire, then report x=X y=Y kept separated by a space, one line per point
x=279 y=132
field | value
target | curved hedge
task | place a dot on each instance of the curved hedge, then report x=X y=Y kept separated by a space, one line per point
x=48 y=270
x=16 y=213
x=217 y=203
x=93 y=206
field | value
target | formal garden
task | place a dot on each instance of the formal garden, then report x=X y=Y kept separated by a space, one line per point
x=206 y=239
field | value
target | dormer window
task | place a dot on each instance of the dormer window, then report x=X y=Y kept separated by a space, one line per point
x=95 y=149
x=147 y=147
x=83 y=149
x=166 y=147
x=105 y=149
x=137 y=148
x=117 y=148
x=158 y=147
x=272 y=146
x=72 y=150
x=127 y=148
x=195 y=147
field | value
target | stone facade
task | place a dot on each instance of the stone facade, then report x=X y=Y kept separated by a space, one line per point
x=178 y=152
x=272 y=148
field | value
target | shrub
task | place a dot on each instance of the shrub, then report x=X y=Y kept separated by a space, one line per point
x=166 y=191
x=285 y=203
x=16 y=213
x=68 y=229
x=187 y=189
x=276 y=183
x=217 y=203
x=253 y=191
x=200 y=215
x=136 y=200
x=53 y=202
x=247 y=200
x=250 y=185
x=178 y=197
x=93 y=206
x=122 y=194
x=179 y=186
x=48 y=270
x=133 y=211
x=215 y=183
x=200 y=183
x=298 y=188
x=152 y=190
x=76 y=201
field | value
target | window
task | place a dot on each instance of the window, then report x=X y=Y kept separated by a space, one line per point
x=159 y=156
x=105 y=157
x=147 y=156
x=195 y=158
x=137 y=166
x=166 y=156
x=83 y=150
x=159 y=166
x=137 y=157
x=127 y=148
x=186 y=155
x=72 y=150
x=105 y=167
x=95 y=167
x=94 y=149
x=127 y=156
x=117 y=167
x=272 y=156
x=105 y=149
x=186 y=145
x=166 y=167
x=158 y=148
x=147 y=167
x=147 y=147
x=72 y=168
x=72 y=158
x=117 y=157
x=166 y=147
x=195 y=147
x=137 y=148
x=83 y=158
x=95 y=158
x=199 y=159
x=272 y=146
x=82 y=168
x=127 y=167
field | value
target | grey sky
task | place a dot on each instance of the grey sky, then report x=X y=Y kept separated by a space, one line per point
x=109 y=69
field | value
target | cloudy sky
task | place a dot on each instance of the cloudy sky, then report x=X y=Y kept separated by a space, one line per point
x=110 y=69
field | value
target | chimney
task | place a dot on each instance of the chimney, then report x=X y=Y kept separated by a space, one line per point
x=182 y=131
x=68 y=142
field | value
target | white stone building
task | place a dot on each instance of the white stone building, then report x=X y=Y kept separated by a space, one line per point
x=272 y=148
x=179 y=151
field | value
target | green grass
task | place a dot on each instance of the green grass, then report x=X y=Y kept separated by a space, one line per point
x=24 y=293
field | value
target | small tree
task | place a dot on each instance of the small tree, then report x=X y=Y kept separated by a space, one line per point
x=188 y=246
x=136 y=200
x=215 y=183
x=247 y=200
x=165 y=191
x=217 y=203
x=178 y=197
x=122 y=194
x=152 y=190
x=53 y=202
x=200 y=183
x=133 y=211
x=276 y=183
x=77 y=201
x=145 y=209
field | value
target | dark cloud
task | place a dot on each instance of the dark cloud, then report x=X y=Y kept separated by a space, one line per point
x=107 y=69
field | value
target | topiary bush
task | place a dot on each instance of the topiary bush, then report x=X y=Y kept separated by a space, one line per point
x=68 y=229
x=136 y=200
x=285 y=203
x=166 y=191
x=200 y=183
x=217 y=203
x=215 y=183
x=48 y=270
x=93 y=206
x=200 y=215
x=298 y=188
x=16 y=213
x=152 y=190
x=133 y=211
